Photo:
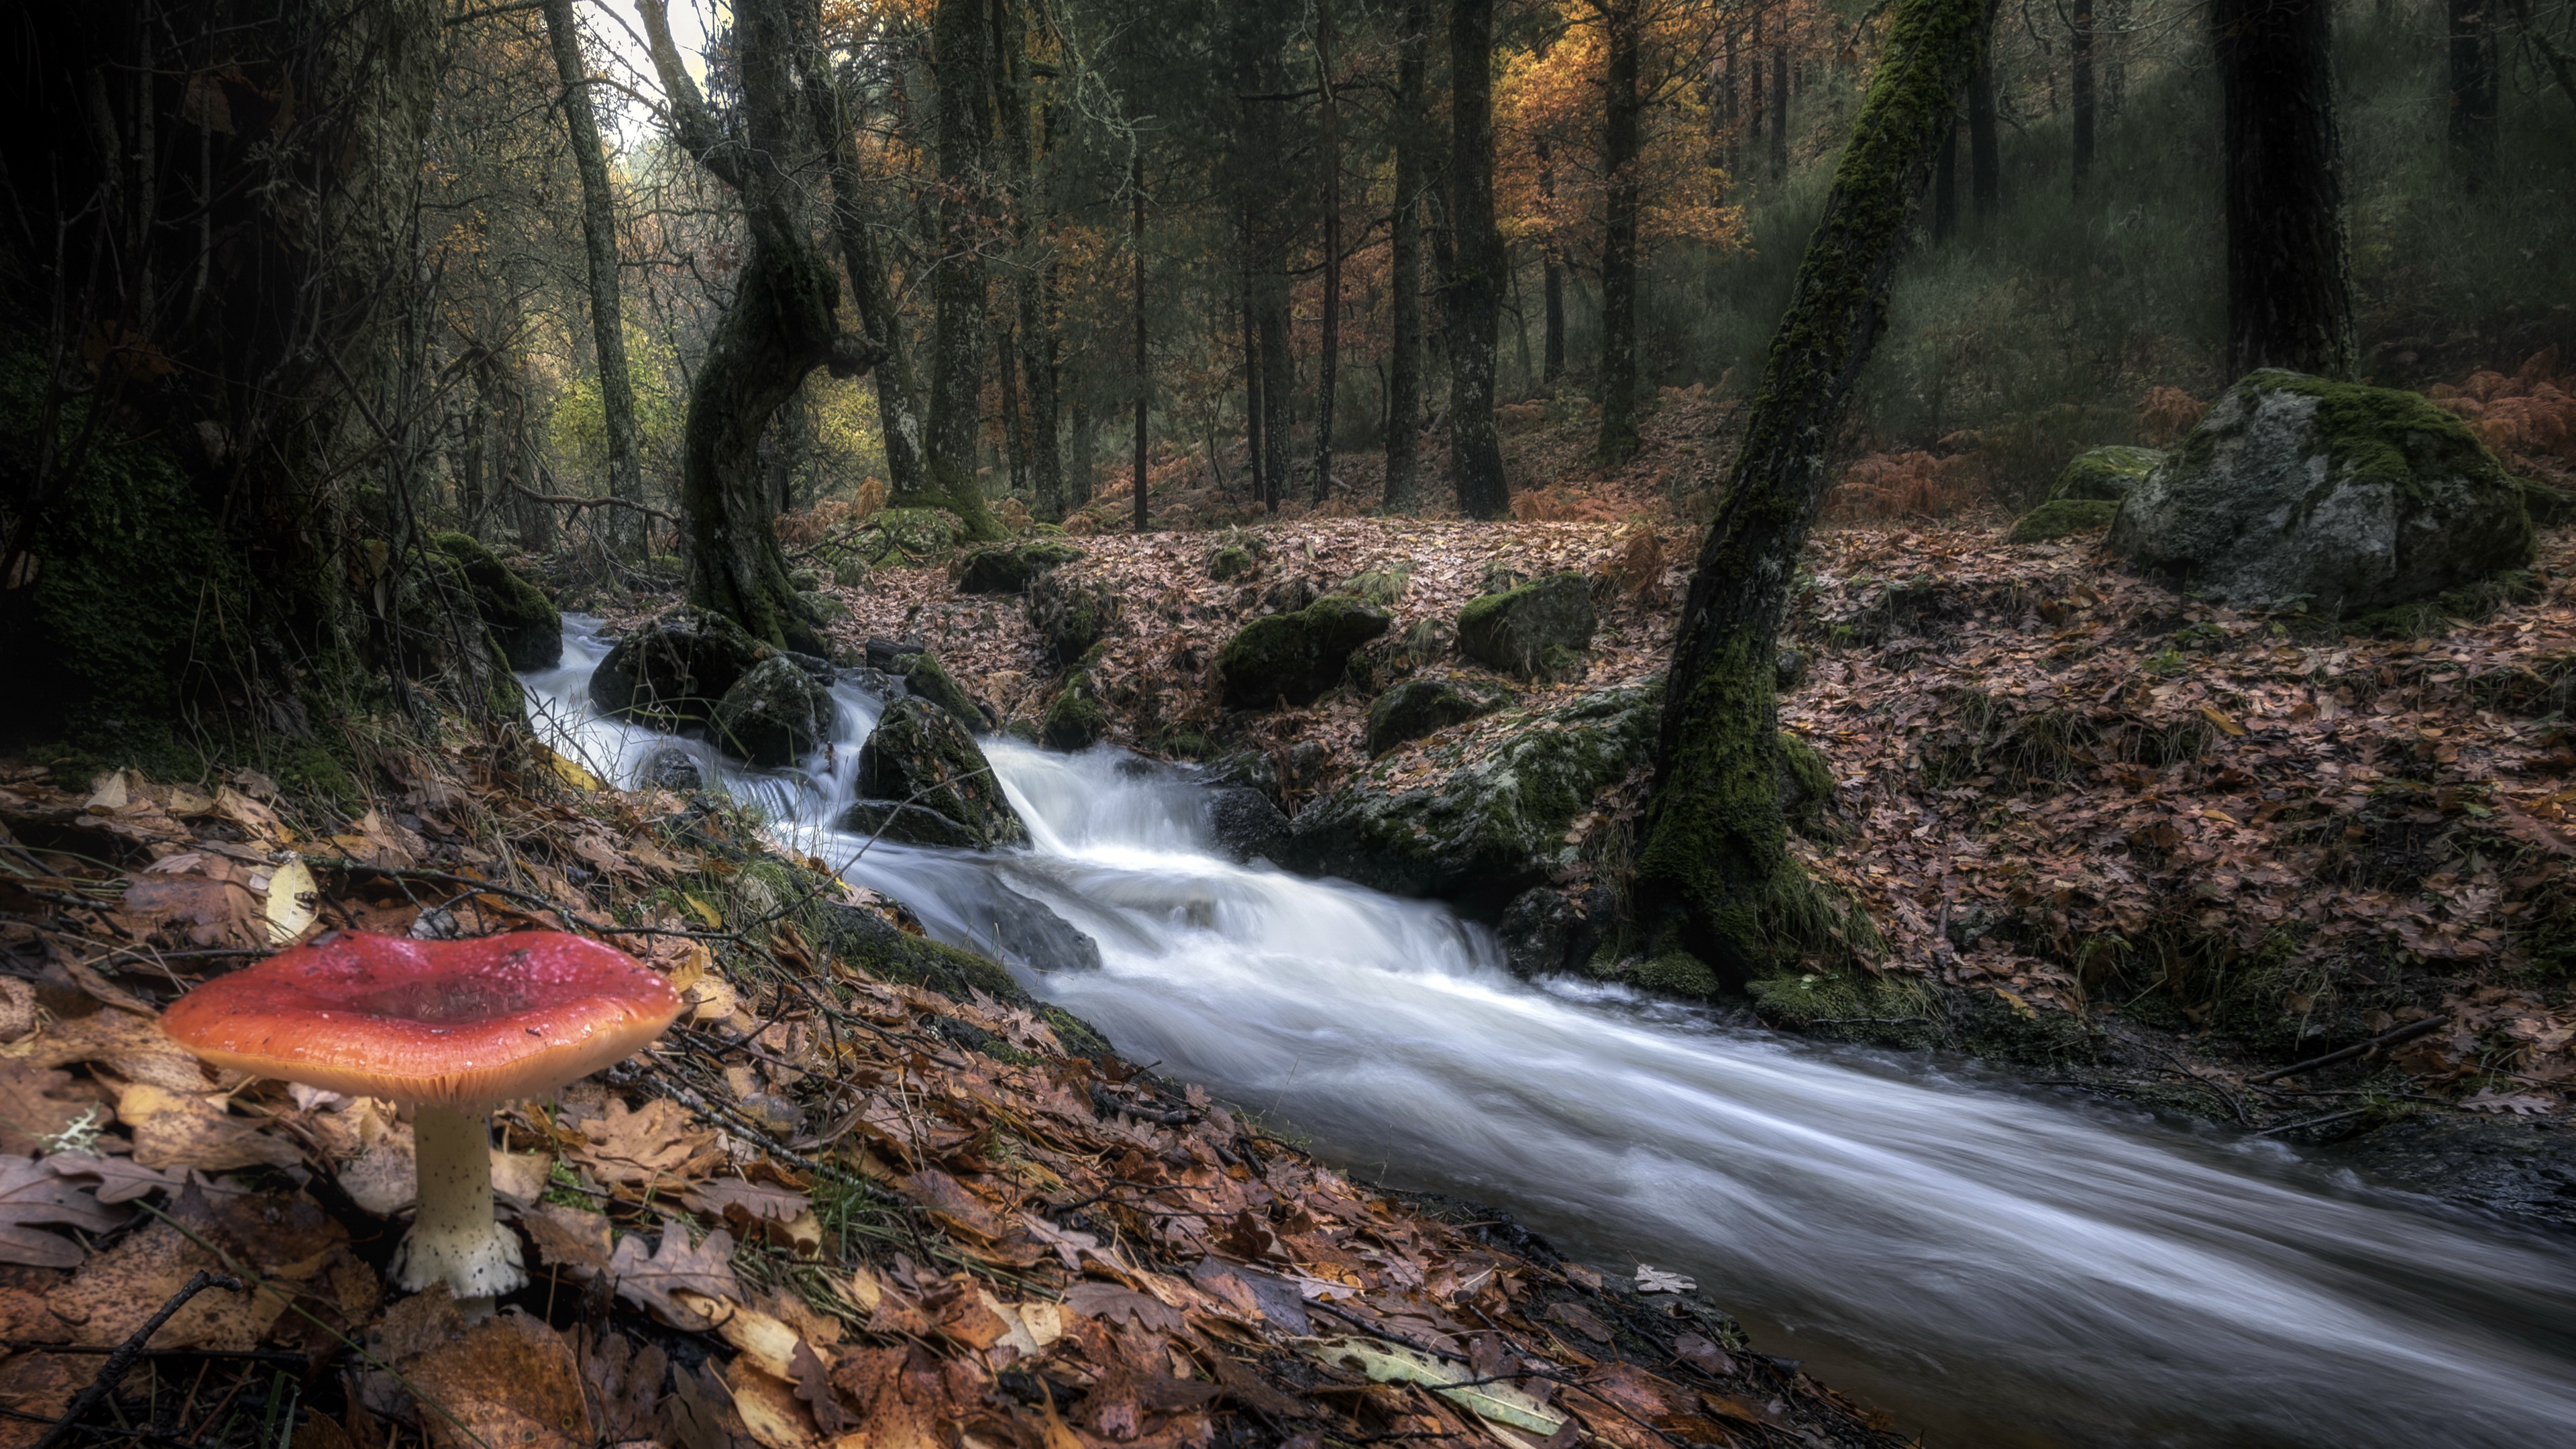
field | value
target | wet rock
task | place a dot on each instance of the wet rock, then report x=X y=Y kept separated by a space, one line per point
x=1419 y=707
x=893 y=656
x=2062 y=518
x=674 y=668
x=775 y=715
x=1296 y=656
x=523 y=622
x=1538 y=931
x=1013 y=928
x=919 y=755
x=2332 y=496
x=1070 y=613
x=1286 y=596
x=1008 y=568
x=865 y=939
x=820 y=608
x=900 y=824
x=924 y=677
x=2105 y=475
x=1252 y=769
x=1245 y=823
x=1075 y=718
x=1537 y=631
x=1487 y=818
x=673 y=770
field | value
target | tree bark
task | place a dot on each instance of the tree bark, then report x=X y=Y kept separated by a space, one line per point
x=1985 y=162
x=2079 y=91
x=1144 y=375
x=607 y=318
x=2473 y=92
x=781 y=324
x=1621 y=112
x=1404 y=284
x=1780 y=110
x=2289 y=291
x=1328 y=355
x=1474 y=296
x=1714 y=876
x=898 y=390
x=1945 y=188
x=1256 y=458
x=961 y=39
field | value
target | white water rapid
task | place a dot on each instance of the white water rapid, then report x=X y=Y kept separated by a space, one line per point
x=1995 y=1266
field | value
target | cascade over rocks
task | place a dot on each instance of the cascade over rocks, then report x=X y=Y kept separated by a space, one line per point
x=1297 y=656
x=675 y=668
x=776 y=714
x=920 y=756
x=523 y=621
x=1488 y=818
x=2330 y=495
x=1008 y=568
x=1537 y=631
x=1419 y=707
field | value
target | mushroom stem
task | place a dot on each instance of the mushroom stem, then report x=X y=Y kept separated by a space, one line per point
x=454 y=1239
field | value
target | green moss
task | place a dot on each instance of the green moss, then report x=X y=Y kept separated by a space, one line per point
x=930 y=680
x=1806 y=785
x=2105 y=474
x=1076 y=719
x=2060 y=517
x=1675 y=973
x=1296 y=656
x=1007 y=568
x=521 y=618
x=1851 y=1005
x=1232 y=561
x=2470 y=603
x=904 y=537
x=1071 y=614
x=1382 y=586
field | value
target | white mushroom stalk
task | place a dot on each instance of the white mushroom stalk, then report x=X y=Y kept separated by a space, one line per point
x=455 y=1238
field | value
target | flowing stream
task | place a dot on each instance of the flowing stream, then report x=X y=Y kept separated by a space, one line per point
x=1992 y=1265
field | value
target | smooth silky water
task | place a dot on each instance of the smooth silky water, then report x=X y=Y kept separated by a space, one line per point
x=1991 y=1265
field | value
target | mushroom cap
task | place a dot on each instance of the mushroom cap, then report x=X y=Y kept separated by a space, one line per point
x=459 y=1024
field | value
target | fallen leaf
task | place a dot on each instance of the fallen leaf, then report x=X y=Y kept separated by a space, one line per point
x=30 y=1192
x=1581 y=1319
x=289 y=901
x=175 y=1129
x=37 y=1105
x=569 y=1238
x=656 y=1148
x=1392 y=1363
x=1656 y=1280
x=1109 y=1301
x=510 y=1382
x=118 y=1289
x=649 y=1281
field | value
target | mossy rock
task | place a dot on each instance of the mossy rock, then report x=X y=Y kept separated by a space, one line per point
x=523 y=620
x=927 y=678
x=1070 y=613
x=2296 y=491
x=896 y=823
x=1008 y=568
x=674 y=668
x=1230 y=562
x=821 y=608
x=2061 y=517
x=851 y=573
x=1419 y=707
x=1851 y=1005
x=876 y=946
x=775 y=715
x=1537 y=631
x=920 y=755
x=804 y=581
x=2105 y=475
x=906 y=537
x=1075 y=718
x=1297 y=656
x=1480 y=817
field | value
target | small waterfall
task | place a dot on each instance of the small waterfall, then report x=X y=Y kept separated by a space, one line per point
x=1996 y=1266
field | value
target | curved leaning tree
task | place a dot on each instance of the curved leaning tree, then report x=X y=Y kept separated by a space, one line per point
x=780 y=326
x=1715 y=877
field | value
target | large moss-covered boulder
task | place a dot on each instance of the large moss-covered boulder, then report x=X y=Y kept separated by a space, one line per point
x=2295 y=490
x=1075 y=718
x=675 y=668
x=1536 y=631
x=523 y=622
x=1027 y=931
x=903 y=537
x=1007 y=568
x=920 y=755
x=924 y=677
x=1487 y=819
x=1419 y=707
x=1297 y=656
x=775 y=715
x=2106 y=475
x=1070 y=613
x=2061 y=518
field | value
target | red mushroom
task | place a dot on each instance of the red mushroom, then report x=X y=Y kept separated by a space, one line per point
x=451 y=1027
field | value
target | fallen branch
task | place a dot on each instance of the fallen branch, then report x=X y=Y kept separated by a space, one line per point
x=2408 y=1032
x=121 y=1362
x=573 y=500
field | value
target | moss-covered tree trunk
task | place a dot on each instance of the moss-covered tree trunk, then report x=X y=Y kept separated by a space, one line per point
x=1714 y=875
x=961 y=39
x=1404 y=264
x=1622 y=108
x=607 y=315
x=2289 y=277
x=781 y=324
x=1472 y=302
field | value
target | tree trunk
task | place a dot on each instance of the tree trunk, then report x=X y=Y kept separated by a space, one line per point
x=781 y=324
x=1714 y=875
x=1780 y=110
x=1758 y=113
x=898 y=390
x=1039 y=308
x=2289 y=292
x=1404 y=285
x=1328 y=356
x=1256 y=458
x=1278 y=375
x=2079 y=91
x=1945 y=188
x=1084 y=448
x=2473 y=92
x=961 y=39
x=1985 y=163
x=1622 y=105
x=1475 y=292
x=607 y=318
x=1144 y=375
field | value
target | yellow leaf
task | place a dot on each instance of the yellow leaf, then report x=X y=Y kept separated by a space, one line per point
x=2225 y=725
x=2014 y=997
x=291 y=895
x=704 y=912
x=572 y=772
